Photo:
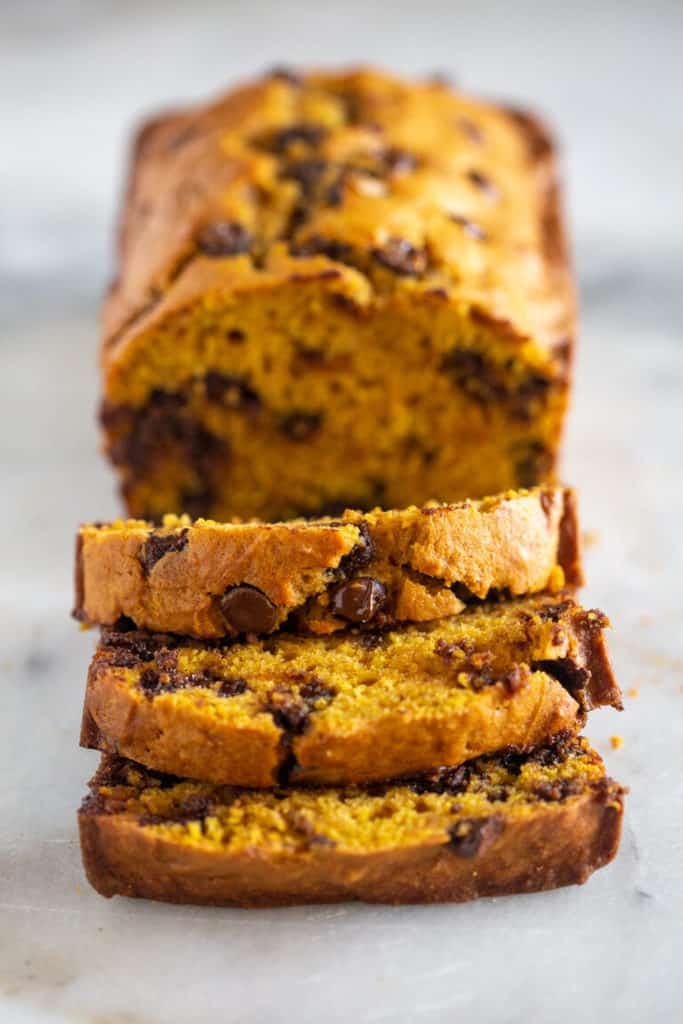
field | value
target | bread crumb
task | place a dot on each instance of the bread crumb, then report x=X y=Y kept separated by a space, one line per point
x=616 y=741
x=591 y=538
x=634 y=692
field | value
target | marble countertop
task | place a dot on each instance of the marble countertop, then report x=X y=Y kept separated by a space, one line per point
x=73 y=75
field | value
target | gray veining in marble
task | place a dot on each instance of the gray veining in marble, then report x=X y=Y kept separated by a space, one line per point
x=73 y=75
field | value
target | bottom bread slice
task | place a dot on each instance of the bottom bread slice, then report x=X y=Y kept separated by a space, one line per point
x=496 y=825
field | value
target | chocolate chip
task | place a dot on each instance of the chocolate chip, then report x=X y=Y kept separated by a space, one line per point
x=307 y=134
x=359 y=600
x=471 y=836
x=231 y=392
x=557 y=789
x=150 y=681
x=484 y=184
x=402 y=257
x=224 y=238
x=306 y=173
x=443 y=780
x=398 y=161
x=299 y=426
x=316 y=245
x=457 y=649
x=533 y=463
x=232 y=687
x=289 y=711
x=360 y=555
x=143 y=646
x=316 y=689
x=516 y=679
x=248 y=610
x=285 y=74
x=469 y=227
x=157 y=545
x=371 y=640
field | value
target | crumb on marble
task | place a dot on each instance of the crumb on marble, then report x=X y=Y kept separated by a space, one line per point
x=591 y=538
x=616 y=741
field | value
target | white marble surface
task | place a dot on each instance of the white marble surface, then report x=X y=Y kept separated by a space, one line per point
x=72 y=76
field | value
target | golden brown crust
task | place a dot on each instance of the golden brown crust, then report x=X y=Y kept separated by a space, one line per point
x=558 y=844
x=430 y=703
x=175 y=579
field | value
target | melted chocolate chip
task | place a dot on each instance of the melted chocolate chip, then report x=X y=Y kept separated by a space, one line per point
x=231 y=392
x=360 y=555
x=150 y=681
x=158 y=545
x=359 y=599
x=443 y=780
x=402 y=257
x=289 y=711
x=299 y=426
x=308 y=174
x=469 y=227
x=248 y=610
x=471 y=836
x=141 y=645
x=224 y=238
x=557 y=789
x=232 y=687
x=516 y=679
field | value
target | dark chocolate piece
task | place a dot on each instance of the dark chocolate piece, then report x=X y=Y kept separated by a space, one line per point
x=248 y=610
x=224 y=238
x=471 y=836
x=157 y=545
x=359 y=599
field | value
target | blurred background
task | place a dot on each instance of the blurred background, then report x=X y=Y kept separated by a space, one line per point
x=75 y=75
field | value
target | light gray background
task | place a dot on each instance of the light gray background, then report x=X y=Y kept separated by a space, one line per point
x=73 y=76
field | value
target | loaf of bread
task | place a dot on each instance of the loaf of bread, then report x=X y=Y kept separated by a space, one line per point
x=336 y=290
x=516 y=823
x=354 y=707
x=208 y=579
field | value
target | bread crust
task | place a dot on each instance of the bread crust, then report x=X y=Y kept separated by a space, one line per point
x=520 y=542
x=560 y=844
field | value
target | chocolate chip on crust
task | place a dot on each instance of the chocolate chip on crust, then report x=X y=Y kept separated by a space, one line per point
x=224 y=238
x=402 y=257
x=248 y=610
x=158 y=545
x=471 y=836
x=285 y=74
x=359 y=599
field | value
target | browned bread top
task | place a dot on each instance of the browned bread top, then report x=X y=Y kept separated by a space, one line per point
x=410 y=185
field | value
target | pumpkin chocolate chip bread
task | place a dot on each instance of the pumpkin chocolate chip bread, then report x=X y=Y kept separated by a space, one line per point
x=336 y=290
x=353 y=707
x=207 y=579
x=513 y=823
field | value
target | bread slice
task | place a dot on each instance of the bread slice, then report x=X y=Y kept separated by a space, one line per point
x=208 y=580
x=337 y=289
x=354 y=707
x=515 y=823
